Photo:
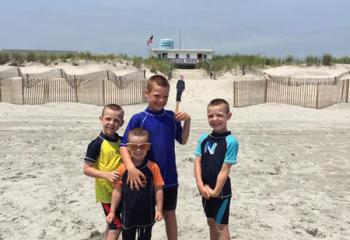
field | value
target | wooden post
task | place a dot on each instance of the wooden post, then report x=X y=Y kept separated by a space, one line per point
x=234 y=93
x=317 y=96
x=27 y=76
x=46 y=91
x=75 y=86
x=265 y=91
x=104 y=88
x=346 y=90
x=61 y=70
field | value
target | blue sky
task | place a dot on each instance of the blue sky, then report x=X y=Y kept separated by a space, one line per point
x=267 y=27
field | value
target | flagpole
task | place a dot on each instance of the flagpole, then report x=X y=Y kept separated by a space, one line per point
x=149 y=42
x=180 y=39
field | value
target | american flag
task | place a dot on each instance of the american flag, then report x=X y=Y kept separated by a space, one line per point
x=150 y=40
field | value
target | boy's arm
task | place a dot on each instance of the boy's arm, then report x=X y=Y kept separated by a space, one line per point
x=116 y=196
x=220 y=180
x=90 y=171
x=182 y=116
x=198 y=175
x=134 y=175
x=159 y=195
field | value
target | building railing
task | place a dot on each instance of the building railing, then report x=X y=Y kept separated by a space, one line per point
x=184 y=60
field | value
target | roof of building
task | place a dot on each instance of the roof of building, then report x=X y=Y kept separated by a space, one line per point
x=182 y=50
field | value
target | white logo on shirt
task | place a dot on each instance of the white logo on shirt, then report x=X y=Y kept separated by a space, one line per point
x=210 y=147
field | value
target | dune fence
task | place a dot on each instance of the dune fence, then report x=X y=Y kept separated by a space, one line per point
x=98 y=88
x=313 y=92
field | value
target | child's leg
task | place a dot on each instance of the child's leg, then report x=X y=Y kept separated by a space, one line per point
x=212 y=229
x=113 y=229
x=112 y=234
x=129 y=234
x=170 y=224
x=169 y=206
x=217 y=212
x=222 y=231
x=221 y=218
x=145 y=233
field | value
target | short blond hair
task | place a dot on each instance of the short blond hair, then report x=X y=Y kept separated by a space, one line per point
x=159 y=80
x=220 y=101
x=114 y=107
x=139 y=132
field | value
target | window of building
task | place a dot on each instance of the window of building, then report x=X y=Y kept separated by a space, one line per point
x=176 y=55
x=165 y=55
x=205 y=56
x=188 y=56
x=199 y=56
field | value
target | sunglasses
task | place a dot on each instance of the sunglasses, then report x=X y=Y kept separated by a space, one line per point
x=140 y=146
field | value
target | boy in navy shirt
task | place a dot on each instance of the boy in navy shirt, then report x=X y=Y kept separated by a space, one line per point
x=138 y=207
x=215 y=154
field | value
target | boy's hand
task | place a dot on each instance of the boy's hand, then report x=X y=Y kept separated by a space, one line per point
x=211 y=192
x=136 y=179
x=110 y=217
x=182 y=116
x=159 y=215
x=204 y=192
x=112 y=176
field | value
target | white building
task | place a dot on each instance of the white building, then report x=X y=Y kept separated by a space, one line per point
x=166 y=51
x=183 y=56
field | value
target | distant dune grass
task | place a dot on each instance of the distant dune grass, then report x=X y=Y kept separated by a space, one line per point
x=220 y=63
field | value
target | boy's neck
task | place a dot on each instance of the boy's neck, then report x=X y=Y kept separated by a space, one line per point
x=154 y=110
x=138 y=163
x=221 y=131
x=110 y=135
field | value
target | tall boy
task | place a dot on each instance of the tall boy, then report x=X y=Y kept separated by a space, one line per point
x=102 y=159
x=215 y=154
x=164 y=127
x=139 y=213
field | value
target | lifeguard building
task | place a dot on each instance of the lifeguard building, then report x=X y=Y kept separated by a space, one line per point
x=180 y=57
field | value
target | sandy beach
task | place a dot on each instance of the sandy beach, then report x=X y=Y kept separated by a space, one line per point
x=292 y=180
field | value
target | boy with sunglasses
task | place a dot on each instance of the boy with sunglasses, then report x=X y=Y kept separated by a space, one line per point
x=138 y=207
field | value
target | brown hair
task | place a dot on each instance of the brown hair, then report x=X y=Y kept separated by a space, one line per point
x=159 y=80
x=139 y=132
x=114 y=107
x=220 y=101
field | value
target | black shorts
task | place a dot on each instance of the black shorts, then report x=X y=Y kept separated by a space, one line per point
x=141 y=233
x=116 y=223
x=217 y=208
x=170 y=198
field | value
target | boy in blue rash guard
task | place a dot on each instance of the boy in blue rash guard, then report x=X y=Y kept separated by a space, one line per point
x=164 y=127
x=215 y=154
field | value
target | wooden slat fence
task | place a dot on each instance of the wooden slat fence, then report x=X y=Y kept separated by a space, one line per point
x=306 y=92
x=56 y=85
